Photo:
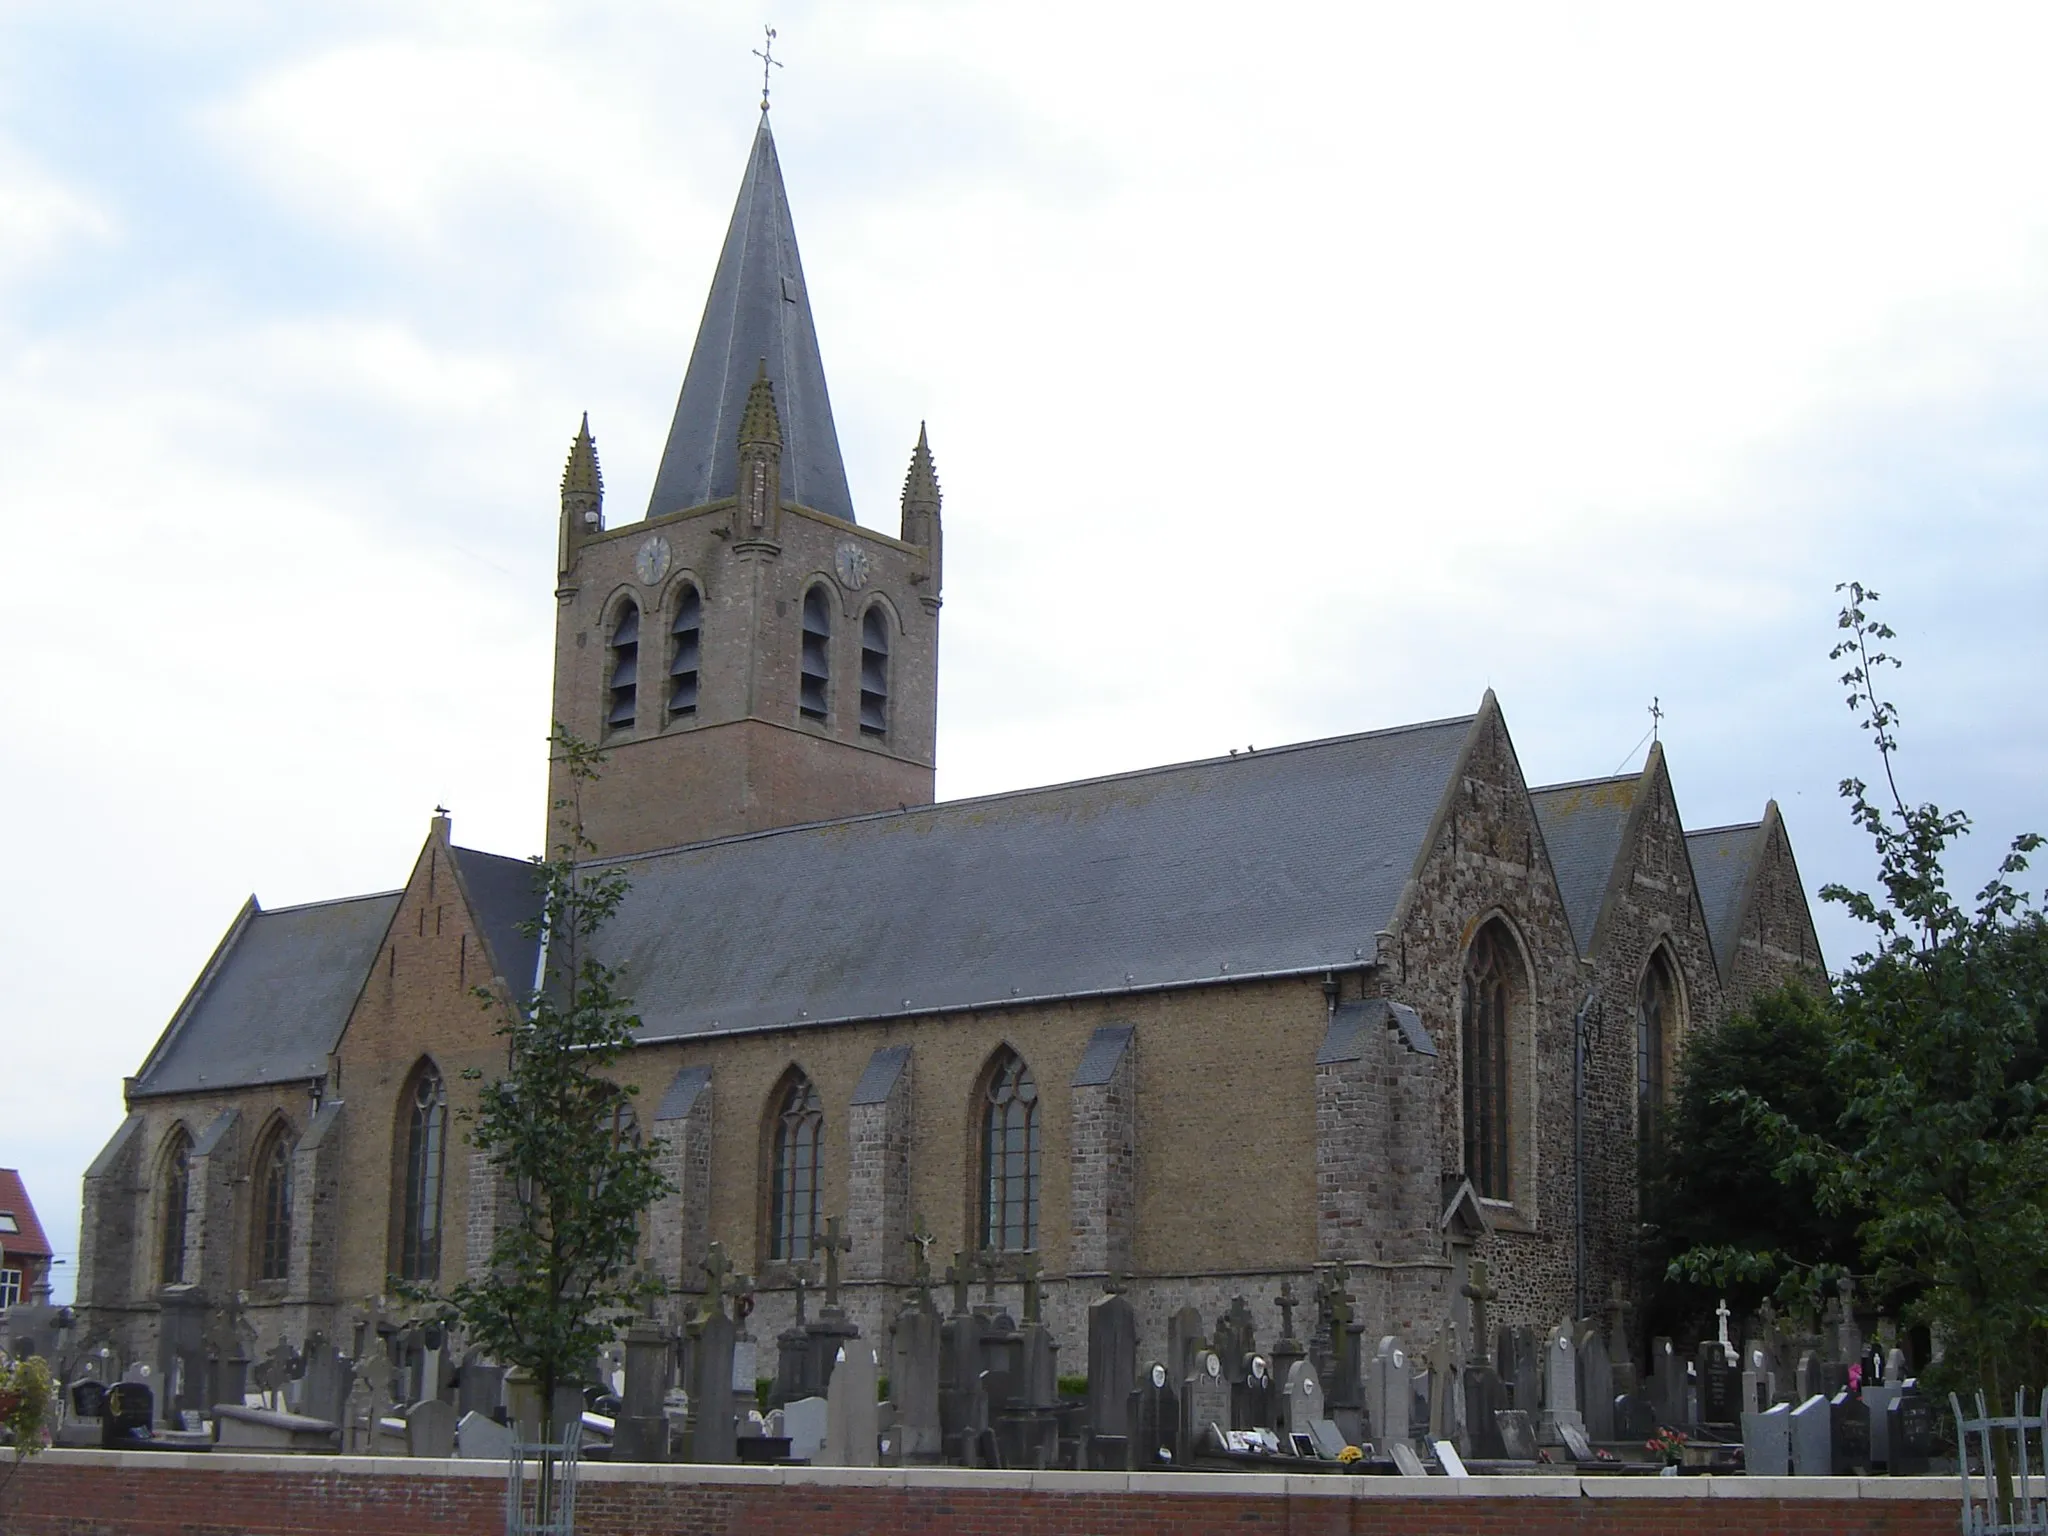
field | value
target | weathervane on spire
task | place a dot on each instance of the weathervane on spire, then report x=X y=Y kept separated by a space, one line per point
x=766 y=54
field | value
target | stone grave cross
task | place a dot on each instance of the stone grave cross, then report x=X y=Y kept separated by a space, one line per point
x=718 y=1267
x=921 y=1239
x=1286 y=1301
x=1479 y=1293
x=985 y=1261
x=960 y=1275
x=1618 y=1310
x=834 y=1243
x=1115 y=1283
x=1727 y=1345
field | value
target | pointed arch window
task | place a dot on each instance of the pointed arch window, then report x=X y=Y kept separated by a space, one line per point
x=625 y=668
x=273 y=1213
x=685 y=637
x=426 y=1134
x=794 y=1177
x=815 y=672
x=1656 y=1021
x=1486 y=1006
x=874 y=672
x=174 y=1190
x=1009 y=1157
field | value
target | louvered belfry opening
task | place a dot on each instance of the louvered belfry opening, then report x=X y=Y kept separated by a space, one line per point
x=816 y=672
x=874 y=673
x=685 y=645
x=625 y=669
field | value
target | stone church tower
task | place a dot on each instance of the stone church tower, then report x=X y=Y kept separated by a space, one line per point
x=748 y=655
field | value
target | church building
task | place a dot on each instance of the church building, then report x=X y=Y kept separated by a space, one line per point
x=1372 y=1002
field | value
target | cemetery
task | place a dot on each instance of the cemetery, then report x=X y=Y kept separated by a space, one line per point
x=968 y=1387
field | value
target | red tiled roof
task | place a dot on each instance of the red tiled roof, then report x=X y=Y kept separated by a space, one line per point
x=14 y=1200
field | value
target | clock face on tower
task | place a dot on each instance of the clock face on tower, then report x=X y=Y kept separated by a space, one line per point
x=650 y=561
x=853 y=565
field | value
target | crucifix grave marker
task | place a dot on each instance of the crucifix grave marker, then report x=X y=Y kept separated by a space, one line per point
x=921 y=1266
x=834 y=1243
x=1286 y=1302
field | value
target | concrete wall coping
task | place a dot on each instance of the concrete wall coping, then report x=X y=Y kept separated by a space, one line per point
x=1207 y=1484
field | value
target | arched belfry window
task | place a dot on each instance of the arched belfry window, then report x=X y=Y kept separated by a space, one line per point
x=1009 y=1156
x=796 y=1166
x=874 y=672
x=815 y=673
x=272 y=1215
x=685 y=637
x=1486 y=1008
x=425 y=1107
x=174 y=1188
x=625 y=668
x=1656 y=1027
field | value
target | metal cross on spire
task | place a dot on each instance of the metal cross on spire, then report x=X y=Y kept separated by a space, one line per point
x=766 y=54
x=1656 y=713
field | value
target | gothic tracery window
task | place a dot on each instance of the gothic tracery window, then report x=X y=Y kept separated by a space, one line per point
x=874 y=672
x=273 y=1210
x=625 y=669
x=815 y=669
x=175 y=1188
x=685 y=647
x=1009 y=1157
x=1486 y=1007
x=1656 y=1020
x=797 y=1162
x=426 y=1108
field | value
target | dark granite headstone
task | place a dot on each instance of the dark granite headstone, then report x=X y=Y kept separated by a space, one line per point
x=1720 y=1390
x=88 y=1399
x=130 y=1410
x=1112 y=1365
x=1849 y=1434
x=1517 y=1434
x=1596 y=1385
x=1909 y=1432
x=1635 y=1420
x=713 y=1435
x=1154 y=1419
x=1485 y=1400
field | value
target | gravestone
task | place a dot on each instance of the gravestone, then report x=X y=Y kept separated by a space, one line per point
x=852 y=1427
x=1634 y=1419
x=1596 y=1385
x=1560 y=1387
x=963 y=1407
x=1205 y=1404
x=1720 y=1389
x=1812 y=1439
x=1909 y=1431
x=1759 y=1387
x=1806 y=1379
x=1388 y=1393
x=1030 y=1422
x=479 y=1438
x=1517 y=1434
x=1878 y=1400
x=1327 y=1438
x=1112 y=1376
x=88 y=1400
x=1447 y=1457
x=1576 y=1444
x=1343 y=1375
x=430 y=1428
x=1485 y=1400
x=1252 y=1403
x=1301 y=1400
x=914 y=1355
x=713 y=1436
x=130 y=1412
x=1406 y=1461
x=1154 y=1418
x=325 y=1387
x=641 y=1431
x=1849 y=1434
x=1667 y=1385
x=1524 y=1372
x=1287 y=1349
x=1186 y=1337
x=805 y=1422
x=479 y=1388
x=1767 y=1441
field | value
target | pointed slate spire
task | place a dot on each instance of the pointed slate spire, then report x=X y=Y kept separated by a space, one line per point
x=759 y=309
x=921 y=494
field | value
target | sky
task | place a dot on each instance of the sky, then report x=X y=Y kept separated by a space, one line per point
x=1289 y=371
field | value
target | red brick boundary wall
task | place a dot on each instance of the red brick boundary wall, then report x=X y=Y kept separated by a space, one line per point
x=110 y=1493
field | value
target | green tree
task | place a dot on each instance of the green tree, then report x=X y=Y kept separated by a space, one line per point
x=1718 y=1218
x=562 y=1268
x=1940 y=1055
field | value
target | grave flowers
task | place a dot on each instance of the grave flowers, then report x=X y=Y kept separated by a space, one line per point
x=1667 y=1445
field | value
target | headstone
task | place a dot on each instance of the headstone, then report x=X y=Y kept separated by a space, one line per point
x=1447 y=1458
x=478 y=1438
x=914 y=1351
x=1406 y=1462
x=479 y=1388
x=1596 y=1385
x=1667 y=1385
x=1767 y=1441
x=1327 y=1438
x=1849 y=1434
x=1812 y=1439
x=1288 y=1348
x=1635 y=1420
x=1806 y=1376
x=1205 y=1403
x=1301 y=1400
x=1112 y=1373
x=641 y=1431
x=241 y=1427
x=1560 y=1387
x=805 y=1422
x=130 y=1413
x=1758 y=1385
x=1253 y=1403
x=1576 y=1445
x=324 y=1389
x=88 y=1399
x=1388 y=1393
x=1517 y=1434
x=1186 y=1337
x=713 y=1435
x=1524 y=1373
x=430 y=1428
x=1154 y=1419
x=1909 y=1431
x=1720 y=1386
x=1485 y=1398
x=852 y=1429
x=1848 y=1337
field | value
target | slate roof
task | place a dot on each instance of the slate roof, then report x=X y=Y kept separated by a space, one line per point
x=1723 y=863
x=272 y=1002
x=28 y=1240
x=759 y=308
x=1582 y=827
x=504 y=897
x=1279 y=861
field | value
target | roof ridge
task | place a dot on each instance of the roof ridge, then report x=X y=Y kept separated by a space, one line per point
x=329 y=901
x=1607 y=778
x=1037 y=789
x=1733 y=826
x=485 y=853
